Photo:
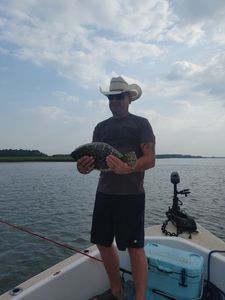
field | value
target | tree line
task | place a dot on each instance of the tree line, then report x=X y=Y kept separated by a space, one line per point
x=37 y=153
x=21 y=152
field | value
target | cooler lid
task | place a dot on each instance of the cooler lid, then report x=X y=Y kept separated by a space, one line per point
x=174 y=260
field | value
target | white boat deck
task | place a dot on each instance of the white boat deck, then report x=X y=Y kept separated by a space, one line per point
x=52 y=271
x=203 y=238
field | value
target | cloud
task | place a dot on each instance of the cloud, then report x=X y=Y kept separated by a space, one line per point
x=200 y=10
x=189 y=34
x=79 y=39
x=204 y=80
x=143 y=20
x=173 y=49
x=214 y=76
x=190 y=129
x=196 y=20
x=185 y=69
x=66 y=97
x=54 y=113
x=118 y=50
x=70 y=36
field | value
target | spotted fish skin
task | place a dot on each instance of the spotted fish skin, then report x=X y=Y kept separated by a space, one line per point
x=99 y=151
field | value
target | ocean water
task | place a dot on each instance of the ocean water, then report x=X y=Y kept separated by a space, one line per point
x=54 y=200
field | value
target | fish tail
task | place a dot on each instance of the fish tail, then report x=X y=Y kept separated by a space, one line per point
x=130 y=158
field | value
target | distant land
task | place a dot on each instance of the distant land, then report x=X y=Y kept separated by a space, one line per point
x=15 y=155
x=20 y=155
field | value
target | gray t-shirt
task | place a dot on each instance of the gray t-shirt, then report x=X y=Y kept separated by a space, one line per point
x=126 y=135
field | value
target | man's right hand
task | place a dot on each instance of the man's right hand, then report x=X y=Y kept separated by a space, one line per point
x=85 y=164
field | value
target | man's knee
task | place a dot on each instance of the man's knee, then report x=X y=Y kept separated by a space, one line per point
x=136 y=252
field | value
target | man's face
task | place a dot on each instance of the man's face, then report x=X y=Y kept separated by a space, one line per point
x=119 y=104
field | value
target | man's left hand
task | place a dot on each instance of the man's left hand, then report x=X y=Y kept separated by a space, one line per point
x=117 y=165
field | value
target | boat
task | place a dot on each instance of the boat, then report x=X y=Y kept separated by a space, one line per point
x=82 y=276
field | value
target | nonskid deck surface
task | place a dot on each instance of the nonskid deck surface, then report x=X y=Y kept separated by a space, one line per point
x=203 y=238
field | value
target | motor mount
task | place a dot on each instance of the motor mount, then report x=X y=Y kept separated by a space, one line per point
x=179 y=218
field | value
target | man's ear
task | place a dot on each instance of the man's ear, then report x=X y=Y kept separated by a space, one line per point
x=129 y=99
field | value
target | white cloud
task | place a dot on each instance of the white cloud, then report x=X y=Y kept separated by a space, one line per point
x=100 y=102
x=66 y=97
x=80 y=38
x=118 y=50
x=190 y=129
x=143 y=20
x=197 y=20
x=54 y=113
x=200 y=10
x=216 y=68
x=185 y=69
x=185 y=34
x=210 y=78
x=70 y=36
x=173 y=49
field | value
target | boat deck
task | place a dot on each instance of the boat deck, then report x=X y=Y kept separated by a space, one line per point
x=203 y=238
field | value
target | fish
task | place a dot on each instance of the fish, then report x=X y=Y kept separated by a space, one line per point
x=99 y=151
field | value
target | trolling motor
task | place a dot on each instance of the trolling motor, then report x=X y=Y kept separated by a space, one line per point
x=179 y=218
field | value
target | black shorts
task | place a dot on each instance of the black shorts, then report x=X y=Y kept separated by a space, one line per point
x=120 y=217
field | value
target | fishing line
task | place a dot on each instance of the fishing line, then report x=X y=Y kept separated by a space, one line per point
x=69 y=247
x=49 y=240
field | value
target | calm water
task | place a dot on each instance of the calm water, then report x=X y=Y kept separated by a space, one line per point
x=56 y=201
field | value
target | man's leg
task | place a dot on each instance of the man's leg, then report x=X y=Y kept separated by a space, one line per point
x=140 y=271
x=111 y=262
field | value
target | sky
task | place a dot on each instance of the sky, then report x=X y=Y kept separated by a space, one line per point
x=55 y=54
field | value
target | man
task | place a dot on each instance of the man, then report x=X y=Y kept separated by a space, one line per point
x=120 y=197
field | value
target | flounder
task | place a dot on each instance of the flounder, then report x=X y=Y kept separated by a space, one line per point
x=99 y=151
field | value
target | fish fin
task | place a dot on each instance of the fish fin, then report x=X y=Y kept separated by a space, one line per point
x=130 y=158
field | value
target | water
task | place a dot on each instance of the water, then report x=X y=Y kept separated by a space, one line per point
x=54 y=200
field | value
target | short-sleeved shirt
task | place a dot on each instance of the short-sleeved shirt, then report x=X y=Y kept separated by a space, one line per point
x=126 y=135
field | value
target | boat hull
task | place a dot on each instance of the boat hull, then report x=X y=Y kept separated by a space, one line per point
x=81 y=277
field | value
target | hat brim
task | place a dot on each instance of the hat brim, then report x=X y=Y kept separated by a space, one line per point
x=134 y=91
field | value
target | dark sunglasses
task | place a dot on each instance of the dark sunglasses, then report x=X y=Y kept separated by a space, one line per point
x=119 y=97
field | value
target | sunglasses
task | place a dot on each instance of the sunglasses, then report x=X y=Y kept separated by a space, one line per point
x=119 y=97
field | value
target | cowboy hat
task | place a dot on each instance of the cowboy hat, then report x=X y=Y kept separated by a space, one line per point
x=118 y=86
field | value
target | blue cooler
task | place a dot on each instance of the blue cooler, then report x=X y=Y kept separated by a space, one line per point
x=173 y=273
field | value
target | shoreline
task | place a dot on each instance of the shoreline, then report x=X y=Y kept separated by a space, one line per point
x=67 y=158
x=60 y=158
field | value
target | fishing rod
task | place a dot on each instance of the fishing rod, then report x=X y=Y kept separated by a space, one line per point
x=48 y=239
x=66 y=246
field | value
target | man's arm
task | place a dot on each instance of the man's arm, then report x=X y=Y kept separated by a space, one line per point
x=145 y=162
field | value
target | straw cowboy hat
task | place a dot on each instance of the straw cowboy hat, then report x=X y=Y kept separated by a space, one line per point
x=118 y=86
